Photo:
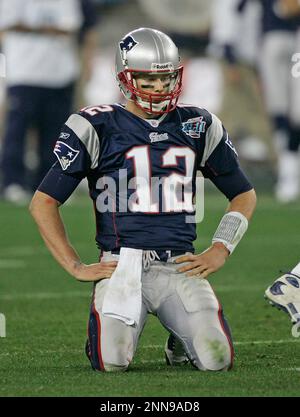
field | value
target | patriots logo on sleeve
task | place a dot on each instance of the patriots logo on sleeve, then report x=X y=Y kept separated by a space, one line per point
x=127 y=44
x=65 y=154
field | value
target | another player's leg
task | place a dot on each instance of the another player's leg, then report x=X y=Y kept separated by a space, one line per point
x=278 y=92
x=111 y=343
x=284 y=293
x=21 y=103
x=293 y=186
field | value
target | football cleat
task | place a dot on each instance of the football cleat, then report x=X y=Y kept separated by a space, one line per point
x=284 y=294
x=88 y=352
x=174 y=352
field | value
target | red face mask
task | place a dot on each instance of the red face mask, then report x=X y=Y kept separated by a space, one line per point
x=153 y=102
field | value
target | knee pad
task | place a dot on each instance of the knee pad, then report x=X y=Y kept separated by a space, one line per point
x=213 y=351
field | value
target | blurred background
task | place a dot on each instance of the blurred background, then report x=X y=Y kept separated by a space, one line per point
x=241 y=62
x=58 y=56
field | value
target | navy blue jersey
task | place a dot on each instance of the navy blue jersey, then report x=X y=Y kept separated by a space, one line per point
x=90 y=17
x=137 y=169
x=271 y=21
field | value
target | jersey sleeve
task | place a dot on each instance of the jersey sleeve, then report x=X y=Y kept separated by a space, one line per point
x=77 y=151
x=233 y=183
x=219 y=156
x=220 y=163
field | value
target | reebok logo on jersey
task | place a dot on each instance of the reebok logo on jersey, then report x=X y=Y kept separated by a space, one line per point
x=64 y=135
x=194 y=127
x=65 y=154
x=158 y=137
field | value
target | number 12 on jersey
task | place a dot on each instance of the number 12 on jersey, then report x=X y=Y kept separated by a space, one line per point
x=177 y=195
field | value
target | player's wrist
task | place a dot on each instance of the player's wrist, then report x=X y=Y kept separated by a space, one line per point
x=75 y=267
x=221 y=248
x=231 y=229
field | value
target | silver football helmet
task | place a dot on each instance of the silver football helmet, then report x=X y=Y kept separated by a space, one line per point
x=149 y=51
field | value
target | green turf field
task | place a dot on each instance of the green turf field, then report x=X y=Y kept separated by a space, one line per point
x=47 y=311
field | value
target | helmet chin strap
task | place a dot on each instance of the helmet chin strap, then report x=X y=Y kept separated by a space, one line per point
x=157 y=107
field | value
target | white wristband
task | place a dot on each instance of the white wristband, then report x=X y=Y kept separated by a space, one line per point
x=231 y=229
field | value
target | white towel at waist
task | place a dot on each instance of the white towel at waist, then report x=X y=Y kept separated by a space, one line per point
x=123 y=297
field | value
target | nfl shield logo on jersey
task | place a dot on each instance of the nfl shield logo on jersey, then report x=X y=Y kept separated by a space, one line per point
x=65 y=154
x=194 y=127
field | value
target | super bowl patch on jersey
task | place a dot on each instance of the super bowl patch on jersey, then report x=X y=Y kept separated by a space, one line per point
x=194 y=127
x=65 y=154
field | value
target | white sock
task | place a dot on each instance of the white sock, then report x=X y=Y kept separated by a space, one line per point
x=296 y=270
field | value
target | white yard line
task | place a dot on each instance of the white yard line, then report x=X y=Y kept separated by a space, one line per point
x=244 y=343
x=148 y=347
x=231 y=288
x=78 y=351
x=21 y=251
x=45 y=295
x=69 y=294
x=268 y=342
x=30 y=250
x=81 y=351
x=12 y=264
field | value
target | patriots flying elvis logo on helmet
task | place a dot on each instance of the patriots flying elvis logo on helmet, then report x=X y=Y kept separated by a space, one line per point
x=127 y=44
x=65 y=154
x=194 y=127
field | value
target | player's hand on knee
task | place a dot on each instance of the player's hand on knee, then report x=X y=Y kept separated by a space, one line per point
x=94 y=272
x=205 y=263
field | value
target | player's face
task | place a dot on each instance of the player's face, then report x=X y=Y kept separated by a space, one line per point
x=154 y=84
x=153 y=93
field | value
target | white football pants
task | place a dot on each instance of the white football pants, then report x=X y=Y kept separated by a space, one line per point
x=187 y=307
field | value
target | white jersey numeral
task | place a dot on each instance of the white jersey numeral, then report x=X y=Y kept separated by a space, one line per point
x=176 y=189
x=92 y=110
x=176 y=185
x=141 y=200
